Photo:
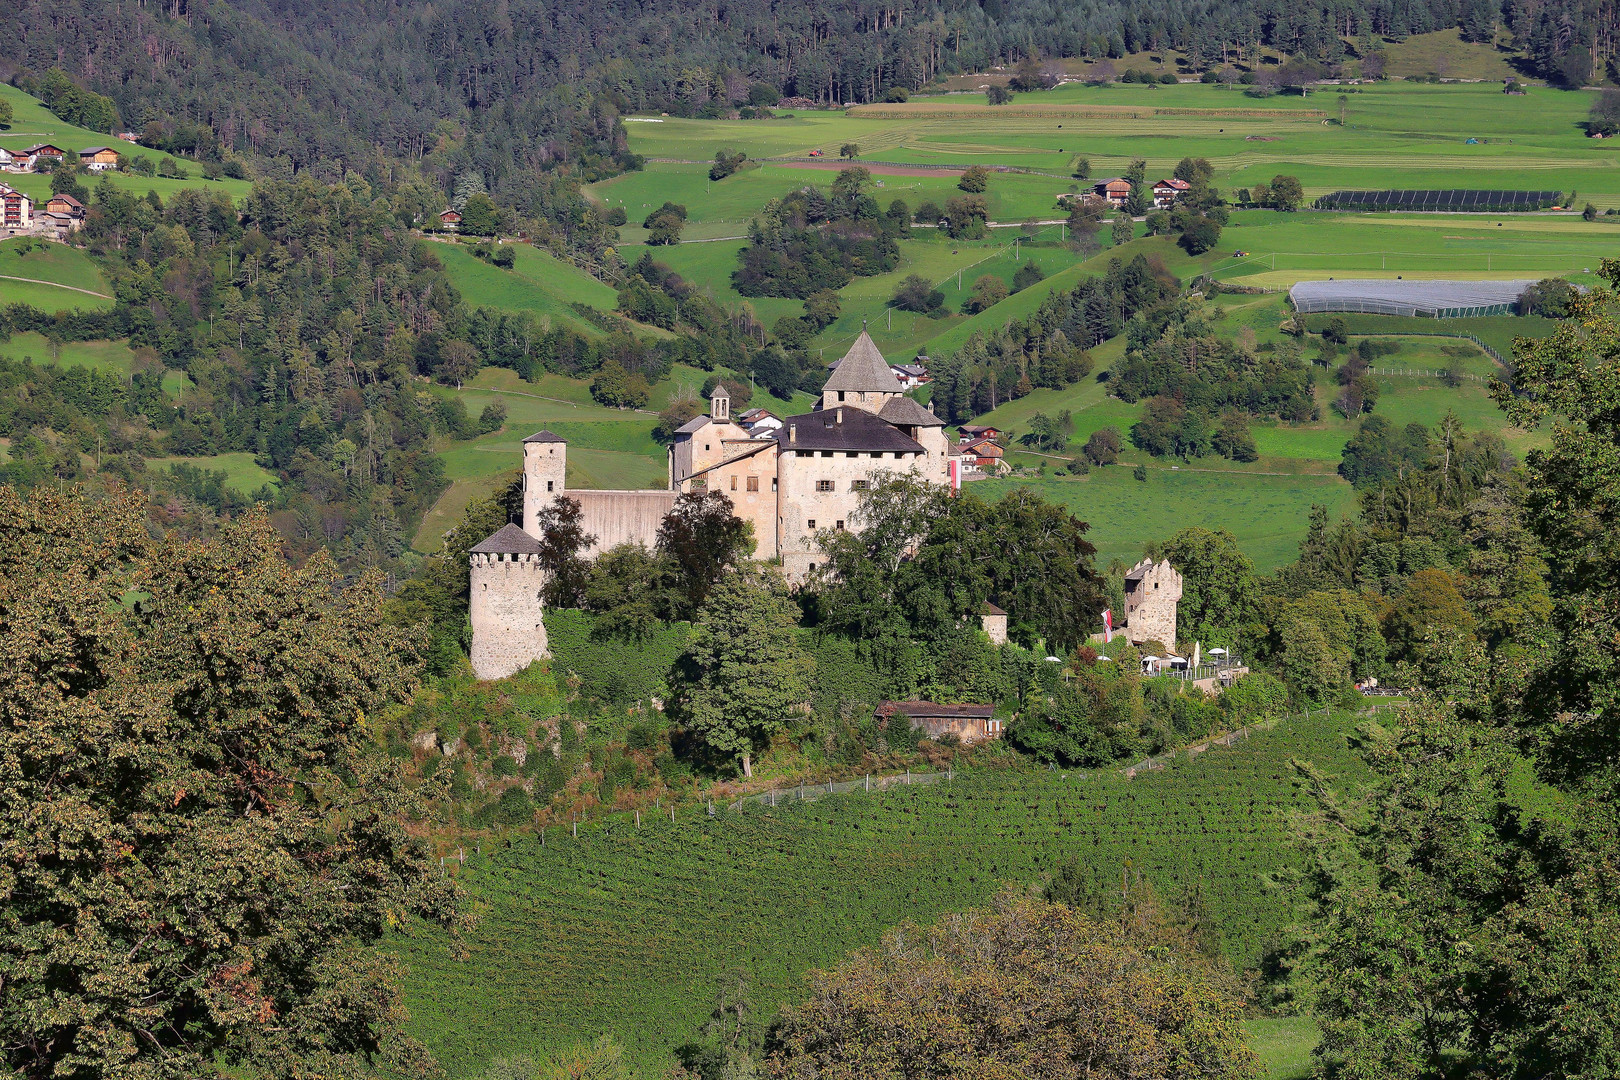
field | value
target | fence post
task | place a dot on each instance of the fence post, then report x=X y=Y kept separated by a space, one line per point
x=868 y=781
x=908 y=777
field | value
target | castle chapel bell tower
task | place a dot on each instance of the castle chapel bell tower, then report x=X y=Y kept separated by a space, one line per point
x=720 y=404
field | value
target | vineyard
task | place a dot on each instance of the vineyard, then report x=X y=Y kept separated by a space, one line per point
x=629 y=930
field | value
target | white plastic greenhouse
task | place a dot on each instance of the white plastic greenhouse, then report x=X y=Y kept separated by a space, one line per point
x=1436 y=299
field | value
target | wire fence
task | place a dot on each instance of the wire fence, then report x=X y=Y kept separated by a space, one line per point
x=810 y=792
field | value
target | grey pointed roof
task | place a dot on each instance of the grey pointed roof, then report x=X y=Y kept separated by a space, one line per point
x=545 y=436
x=864 y=369
x=697 y=423
x=907 y=412
x=507 y=540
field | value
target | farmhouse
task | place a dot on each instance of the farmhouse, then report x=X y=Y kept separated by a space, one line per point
x=42 y=154
x=1115 y=191
x=1166 y=192
x=9 y=162
x=16 y=212
x=98 y=158
x=972 y=432
x=450 y=220
x=985 y=454
x=62 y=215
x=967 y=723
x=790 y=479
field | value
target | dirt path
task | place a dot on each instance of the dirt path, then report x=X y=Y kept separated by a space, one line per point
x=875 y=170
x=57 y=284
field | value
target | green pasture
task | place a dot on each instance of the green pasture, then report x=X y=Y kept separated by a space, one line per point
x=627 y=931
x=1267 y=512
x=105 y=356
x=1285 y=248
x=57 y=277
x=243 y=474
x=1396 y=134
x=723 y=208
x=538 y=283
x=1497 y=331
x=33 y=123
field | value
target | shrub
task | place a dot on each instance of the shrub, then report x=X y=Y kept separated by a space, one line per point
x=975 y=179
x=916 y=293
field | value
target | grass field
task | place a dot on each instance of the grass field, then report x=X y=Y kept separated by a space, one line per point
x=1396 y=134
x=33 y=123
x=628 y=931
x=1285 y=248
x=1268 y=513
x=107 y=356
x=243 y=474
x=538 y=283
x=60 y=277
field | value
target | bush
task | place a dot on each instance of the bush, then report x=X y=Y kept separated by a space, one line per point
x=897 y=94
x=1028 y=274
x=915 y=293
x=1336 y=331
x=504 y=257
x=617 y=216
x=975 y=179
x=1103 y=447
x=1140 y=472
x=997 y=95
x=1253 y=698
x=988 y=291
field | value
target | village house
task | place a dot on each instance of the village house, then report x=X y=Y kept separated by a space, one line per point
x=450 y=220
x=43 y=155
x=967 y=723
x=1166 y=192
x=8 y=161
x=1115 y=191
x=972 y=432
x=760 y=423
x=986 y=454
x=98 y=158
x=16 y=212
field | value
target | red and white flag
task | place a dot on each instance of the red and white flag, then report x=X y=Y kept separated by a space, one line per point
x=1108 y=625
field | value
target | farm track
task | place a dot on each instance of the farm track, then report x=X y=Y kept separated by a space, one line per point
x=55 y=284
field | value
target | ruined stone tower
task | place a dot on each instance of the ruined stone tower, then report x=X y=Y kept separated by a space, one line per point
x=545 y=466
x=1152 y=590
x=505 y=607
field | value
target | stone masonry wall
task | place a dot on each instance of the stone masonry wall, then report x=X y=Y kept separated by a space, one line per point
x=617 y=517
x=509 y=631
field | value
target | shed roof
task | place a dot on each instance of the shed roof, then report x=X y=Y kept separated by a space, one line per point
x=907 y=411
x=863 y=369
x=507 y=540
x=990 y=609
x=928 y=710
x=857 y=430
x=95 y=149
x=545 y=436
x=697 y=423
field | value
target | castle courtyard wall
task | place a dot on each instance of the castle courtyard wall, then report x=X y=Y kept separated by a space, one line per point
x=617 y=517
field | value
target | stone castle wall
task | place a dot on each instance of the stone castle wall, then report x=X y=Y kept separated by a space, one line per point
x=617 y=517
x=1151 y=605
x=509 y=631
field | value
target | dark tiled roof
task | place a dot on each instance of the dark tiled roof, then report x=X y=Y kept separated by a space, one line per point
x=697 y=423
x=976 y=429
x=859 y=430
x=545 y=436
x=907 y=412
x=863 y=369
x=508 y=540
x=927 y=710
x=94 y=149
x=990 y=609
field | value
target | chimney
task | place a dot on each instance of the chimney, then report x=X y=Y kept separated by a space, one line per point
x=793 y=433
x=840 y=416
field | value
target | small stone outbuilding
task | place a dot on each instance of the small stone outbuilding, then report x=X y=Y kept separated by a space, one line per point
x=969 y=723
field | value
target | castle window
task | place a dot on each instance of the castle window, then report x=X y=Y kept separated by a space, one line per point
x=826 y=453
x=733 y=483
x=812 y=524
x=824 y=485
x=839 y=524
x=898 y=455
x=840 y=395
x=773 y=483
x=753 y=483
x=549 y=484
x=852 y=453
x=705 y=446
x=860 y=485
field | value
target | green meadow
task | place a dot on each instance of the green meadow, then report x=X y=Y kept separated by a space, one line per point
x=1394 y=134
x=538 y=283
x=56 y=277
x=243 y=474
x=33 y=123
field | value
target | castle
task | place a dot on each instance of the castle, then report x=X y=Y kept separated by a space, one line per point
x=1152 y=591
x=790 y=482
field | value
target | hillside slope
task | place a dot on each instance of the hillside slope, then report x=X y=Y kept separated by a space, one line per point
x=629 y=931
